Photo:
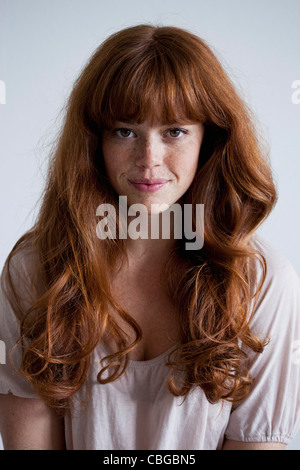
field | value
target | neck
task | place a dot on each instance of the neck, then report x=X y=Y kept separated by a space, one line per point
x=155 y=241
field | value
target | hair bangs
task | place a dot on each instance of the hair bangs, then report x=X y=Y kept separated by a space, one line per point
x=150 y=90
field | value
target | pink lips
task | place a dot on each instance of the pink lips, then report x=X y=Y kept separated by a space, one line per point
x=148 y=185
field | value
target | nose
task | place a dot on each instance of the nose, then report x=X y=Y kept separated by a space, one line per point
x=149 y=154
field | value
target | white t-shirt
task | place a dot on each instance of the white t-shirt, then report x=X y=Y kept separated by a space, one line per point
x=138 y=412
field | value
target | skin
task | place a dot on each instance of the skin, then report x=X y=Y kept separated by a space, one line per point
x=146 y=150
x=152 y=150
x=29 y=424
x=149 y=150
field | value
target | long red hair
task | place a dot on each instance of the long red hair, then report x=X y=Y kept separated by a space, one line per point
x=169 y=74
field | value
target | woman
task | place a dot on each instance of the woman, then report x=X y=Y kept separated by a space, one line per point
x=140 y=343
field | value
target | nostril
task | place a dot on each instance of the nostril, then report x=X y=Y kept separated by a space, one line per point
x=149 y=157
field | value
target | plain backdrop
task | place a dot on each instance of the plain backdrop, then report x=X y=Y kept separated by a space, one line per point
x=45 y=43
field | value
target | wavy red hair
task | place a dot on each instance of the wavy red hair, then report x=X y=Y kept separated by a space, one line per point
x=169 y=74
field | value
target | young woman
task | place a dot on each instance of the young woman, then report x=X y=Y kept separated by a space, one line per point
x=121 y=341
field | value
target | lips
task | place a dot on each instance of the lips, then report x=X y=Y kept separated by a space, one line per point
x=148 y=185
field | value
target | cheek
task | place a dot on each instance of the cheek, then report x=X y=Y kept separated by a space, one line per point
x=113 y=172
x=111 y=161
x=187 y=166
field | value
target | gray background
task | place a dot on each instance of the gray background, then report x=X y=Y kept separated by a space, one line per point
x=45 y=43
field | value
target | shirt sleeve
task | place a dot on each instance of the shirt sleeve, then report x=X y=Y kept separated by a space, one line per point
x=12 y=381
x=271 y=412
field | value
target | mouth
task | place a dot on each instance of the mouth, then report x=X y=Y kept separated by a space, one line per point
x=150 y=185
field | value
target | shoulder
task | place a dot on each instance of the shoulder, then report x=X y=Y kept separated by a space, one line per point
x=279 y=270
x=278 y=304
x=269 y=414
x=17 y=293
x=275 y=259
x=19 y=279
x=22 y=259
x=20 y=264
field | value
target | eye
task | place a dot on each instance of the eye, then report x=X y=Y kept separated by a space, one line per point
x=123 y=132
x=176 y=132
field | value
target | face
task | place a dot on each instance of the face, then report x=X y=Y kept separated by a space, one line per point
x=152 y=163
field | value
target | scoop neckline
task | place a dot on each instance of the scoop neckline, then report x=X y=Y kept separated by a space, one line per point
x=132 y=363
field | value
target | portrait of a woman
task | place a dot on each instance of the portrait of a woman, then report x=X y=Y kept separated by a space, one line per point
x=137 y=342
